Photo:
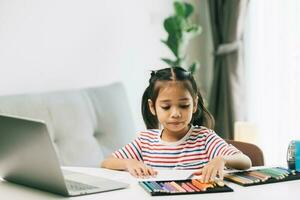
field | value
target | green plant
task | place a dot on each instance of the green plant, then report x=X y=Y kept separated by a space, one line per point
x=180 y=30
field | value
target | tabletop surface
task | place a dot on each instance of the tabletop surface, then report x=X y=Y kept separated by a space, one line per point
x=290 y=189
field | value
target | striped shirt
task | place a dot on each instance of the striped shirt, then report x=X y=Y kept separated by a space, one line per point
x=193 y=151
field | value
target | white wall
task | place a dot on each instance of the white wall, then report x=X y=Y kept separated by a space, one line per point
x=63 y=44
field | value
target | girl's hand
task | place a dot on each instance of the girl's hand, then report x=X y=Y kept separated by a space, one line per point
x=212 y=169
x=138 y=169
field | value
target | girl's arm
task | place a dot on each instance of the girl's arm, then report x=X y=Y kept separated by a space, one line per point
x=237 y=161
x=134 y=167
x=114 y=163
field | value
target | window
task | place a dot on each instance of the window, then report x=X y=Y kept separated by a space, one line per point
x=272 y=50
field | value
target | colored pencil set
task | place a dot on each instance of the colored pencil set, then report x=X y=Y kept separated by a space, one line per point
x=262 y=176
x=190 y=186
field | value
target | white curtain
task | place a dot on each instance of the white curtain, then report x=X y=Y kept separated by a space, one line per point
x=272 y=60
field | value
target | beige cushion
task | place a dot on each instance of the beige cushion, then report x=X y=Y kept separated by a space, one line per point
x=85 y=125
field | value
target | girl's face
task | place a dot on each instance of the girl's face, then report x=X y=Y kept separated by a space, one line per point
x=174 y=108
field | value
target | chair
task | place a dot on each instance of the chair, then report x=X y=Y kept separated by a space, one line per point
x=251 y=150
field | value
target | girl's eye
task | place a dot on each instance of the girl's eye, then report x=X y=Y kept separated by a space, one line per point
x=185 y=106
x=165 y=107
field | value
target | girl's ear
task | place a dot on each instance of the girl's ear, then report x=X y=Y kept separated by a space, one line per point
x=151 y=106
x=195 y=104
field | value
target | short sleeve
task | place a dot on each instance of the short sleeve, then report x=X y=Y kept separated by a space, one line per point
x=130 y=151
x=216 y=146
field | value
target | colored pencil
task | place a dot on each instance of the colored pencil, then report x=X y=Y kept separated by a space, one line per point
x=253 y=178
x=259 y=173
x=158 y=186
x=178 y=187
x=186 y=187
x=192 y=186
x=171 y=187
x=148 y=188
x=198 y=185
x=239 y=179
x=270 y=173
x=167 y=187
x=201 y=186
x=259 y=176
x=283 y=171
x=155 y=188
x=289 y=170
x=279 y=172
x=166 y=190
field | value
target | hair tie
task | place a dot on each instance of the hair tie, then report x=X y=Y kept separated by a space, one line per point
x=153 y=73
x=152 y=77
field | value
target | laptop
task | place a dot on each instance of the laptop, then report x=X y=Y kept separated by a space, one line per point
x=28 y=157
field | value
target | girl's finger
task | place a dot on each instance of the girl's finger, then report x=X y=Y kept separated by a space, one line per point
x=133 y=172
x=152 y=172
x=208 y=175
x=139 y=172
x=204 y=172
x=213 y=175
x=221 y=173
x=144 y=170
x=198 y=173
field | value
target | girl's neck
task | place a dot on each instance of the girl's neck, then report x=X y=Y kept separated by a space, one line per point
x=169 y=136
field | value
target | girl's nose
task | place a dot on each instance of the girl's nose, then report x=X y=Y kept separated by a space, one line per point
x=175 y=113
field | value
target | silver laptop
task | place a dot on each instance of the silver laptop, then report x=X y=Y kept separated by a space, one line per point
x=27 y=157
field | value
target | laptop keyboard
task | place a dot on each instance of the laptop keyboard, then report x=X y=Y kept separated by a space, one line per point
x=76 y=186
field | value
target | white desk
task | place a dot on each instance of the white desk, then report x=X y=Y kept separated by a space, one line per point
x=284 y=190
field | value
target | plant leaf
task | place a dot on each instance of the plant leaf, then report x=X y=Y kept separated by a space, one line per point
x=188 y=10
x=193 y=67
x=179 y=8
x=174 y=41
x=172 y=24
x=183 y=9
x=180 y=30
x=169 y=61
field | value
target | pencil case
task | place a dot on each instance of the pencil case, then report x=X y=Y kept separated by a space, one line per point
x=262 y=176
x=181 y=187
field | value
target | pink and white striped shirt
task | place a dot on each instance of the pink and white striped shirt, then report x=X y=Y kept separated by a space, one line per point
x=193 y=151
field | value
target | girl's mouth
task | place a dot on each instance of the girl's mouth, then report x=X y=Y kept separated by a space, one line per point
x=175 y=123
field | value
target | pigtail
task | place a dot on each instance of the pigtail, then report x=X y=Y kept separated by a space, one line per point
x=150 y=120
x=202 y=116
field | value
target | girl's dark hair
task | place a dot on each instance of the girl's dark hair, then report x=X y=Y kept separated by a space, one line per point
x=201 y=117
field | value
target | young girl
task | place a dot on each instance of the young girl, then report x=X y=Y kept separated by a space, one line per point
x=178 y=132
